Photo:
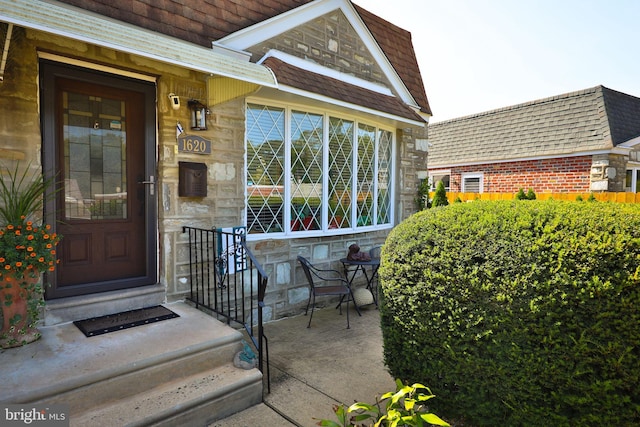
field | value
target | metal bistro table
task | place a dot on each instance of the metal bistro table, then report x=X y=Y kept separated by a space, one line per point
x=370 y=275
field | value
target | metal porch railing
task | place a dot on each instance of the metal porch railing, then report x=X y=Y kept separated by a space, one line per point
x=228 y=282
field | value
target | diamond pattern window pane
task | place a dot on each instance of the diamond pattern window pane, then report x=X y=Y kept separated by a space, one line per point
x=306 y=171
x=340 y=172
x=385 y=139
x=265 y=169
x=365 y=174
x=356 y=154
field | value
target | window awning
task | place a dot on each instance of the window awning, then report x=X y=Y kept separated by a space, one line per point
x=78 y=24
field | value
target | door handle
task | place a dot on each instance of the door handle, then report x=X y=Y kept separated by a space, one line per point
x=151 y=183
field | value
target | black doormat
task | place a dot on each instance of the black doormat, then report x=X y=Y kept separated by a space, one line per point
x=125 y=320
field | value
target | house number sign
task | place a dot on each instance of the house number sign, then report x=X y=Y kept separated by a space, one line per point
x=194 y=144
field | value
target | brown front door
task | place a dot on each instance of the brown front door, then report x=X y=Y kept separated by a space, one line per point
x=102 y=201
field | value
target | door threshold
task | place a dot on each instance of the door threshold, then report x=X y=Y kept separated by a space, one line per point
x=65 y=310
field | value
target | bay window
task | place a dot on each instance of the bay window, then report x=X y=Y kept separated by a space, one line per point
x=312 y=173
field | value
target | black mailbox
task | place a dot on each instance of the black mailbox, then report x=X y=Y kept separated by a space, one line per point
x=192 y=180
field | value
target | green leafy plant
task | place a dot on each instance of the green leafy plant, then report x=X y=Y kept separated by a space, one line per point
x=404 y=407
x=422 y=198
x=529 y=195
x=27 y=249
x=440 y=196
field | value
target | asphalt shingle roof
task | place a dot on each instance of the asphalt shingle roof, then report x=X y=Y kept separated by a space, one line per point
x=290 y=75
x=203 y=21
x=592 y=119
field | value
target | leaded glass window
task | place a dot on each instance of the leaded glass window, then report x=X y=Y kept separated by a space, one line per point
x=311 y=173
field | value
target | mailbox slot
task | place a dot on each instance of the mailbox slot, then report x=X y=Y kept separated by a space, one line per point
x=192 y=180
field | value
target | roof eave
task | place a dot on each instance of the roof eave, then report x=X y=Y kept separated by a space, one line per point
x=78 y=24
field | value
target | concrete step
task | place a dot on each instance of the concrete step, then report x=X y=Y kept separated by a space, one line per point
x=163 y=373
x=192 y=401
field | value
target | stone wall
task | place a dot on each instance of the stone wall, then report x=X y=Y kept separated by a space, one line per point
x=329 y=40
x=224 y=205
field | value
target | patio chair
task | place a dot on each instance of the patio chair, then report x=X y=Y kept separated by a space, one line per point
x=324 y=283
x=374 y=252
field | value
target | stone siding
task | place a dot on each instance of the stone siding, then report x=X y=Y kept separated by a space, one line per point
x=224 y=205
x=329 y=40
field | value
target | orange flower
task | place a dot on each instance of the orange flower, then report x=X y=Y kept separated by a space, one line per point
x=53 y=252
x=46 y=236
x=9 y=226
x=7 y=267
x=49 y=245
x=41 y=259
x=29 y=223
x=47 y=227
x=29 y=249
x=18 y=264
x=30 y=237
x=33 y=254
x=18 y=232
x=52 y=268
x=1 y=259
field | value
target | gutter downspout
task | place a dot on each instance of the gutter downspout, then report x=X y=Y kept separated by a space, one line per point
x=5 y=51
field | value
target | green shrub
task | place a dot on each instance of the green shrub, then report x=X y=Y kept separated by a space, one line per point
x=422 y=197
x=529 y=195
x=440 y=196
x=518 y=314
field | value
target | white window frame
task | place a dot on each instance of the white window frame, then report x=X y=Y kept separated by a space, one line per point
x=465 y=176
x=432 y=175
x=325 y=230
x=635 y=175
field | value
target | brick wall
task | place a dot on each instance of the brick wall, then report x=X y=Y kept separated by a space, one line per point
x=568 y=174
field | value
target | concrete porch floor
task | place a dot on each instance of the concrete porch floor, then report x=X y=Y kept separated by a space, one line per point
x=311 y=369
x=63 y=355
x=316 y=368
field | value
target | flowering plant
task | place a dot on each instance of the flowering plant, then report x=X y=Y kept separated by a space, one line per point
x=27 y=249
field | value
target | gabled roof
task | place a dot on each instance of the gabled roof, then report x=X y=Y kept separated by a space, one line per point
x=305 y=80
x=398 y=47
x=198 y=21
x=591 y=120
x=204 y=21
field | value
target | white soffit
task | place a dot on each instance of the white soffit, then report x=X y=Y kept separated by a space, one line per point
x=78 y=24
x=250 y=36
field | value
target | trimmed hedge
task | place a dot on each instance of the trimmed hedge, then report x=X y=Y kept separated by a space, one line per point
x=518 y=313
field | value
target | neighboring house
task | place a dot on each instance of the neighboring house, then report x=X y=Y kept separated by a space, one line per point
x=308 y=116
x=579 y=142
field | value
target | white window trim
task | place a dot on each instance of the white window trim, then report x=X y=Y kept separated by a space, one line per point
x=442 y=172
x=464 y=176
x=357 y=119
x=635 y=170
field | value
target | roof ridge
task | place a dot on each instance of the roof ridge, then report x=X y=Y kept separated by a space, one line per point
x=540 y=101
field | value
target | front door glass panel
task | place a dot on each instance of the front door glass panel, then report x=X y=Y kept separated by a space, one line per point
x=94 y=135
